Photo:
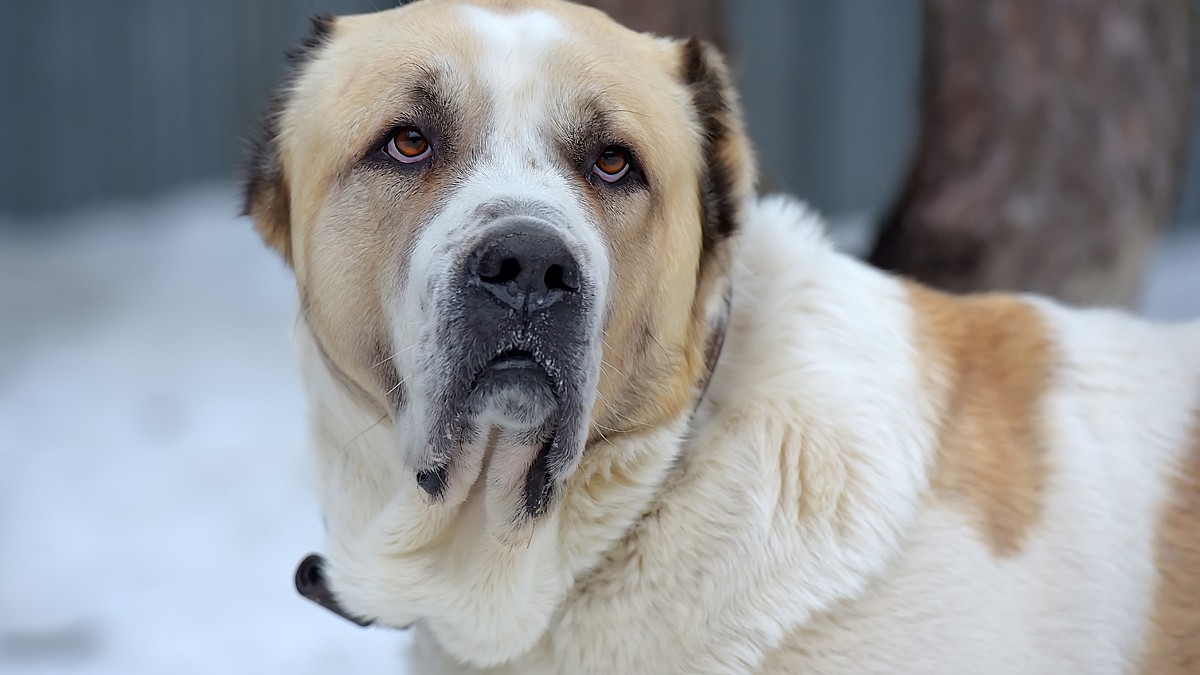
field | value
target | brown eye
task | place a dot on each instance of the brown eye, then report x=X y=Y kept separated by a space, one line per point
x=409 y=145
x=612 y=164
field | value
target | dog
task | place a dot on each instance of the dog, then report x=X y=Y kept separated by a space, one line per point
x=583 y=402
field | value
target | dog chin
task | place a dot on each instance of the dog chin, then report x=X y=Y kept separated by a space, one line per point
x=515 y=396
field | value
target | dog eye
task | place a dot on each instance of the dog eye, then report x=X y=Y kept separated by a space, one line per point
x=409 y=146
x=612 y=164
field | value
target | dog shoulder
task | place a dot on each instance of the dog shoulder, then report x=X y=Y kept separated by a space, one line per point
x=1061 y=429
x=987 y=363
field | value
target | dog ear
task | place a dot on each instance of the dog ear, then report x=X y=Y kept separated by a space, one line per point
x=727 y=171
x=265 y=194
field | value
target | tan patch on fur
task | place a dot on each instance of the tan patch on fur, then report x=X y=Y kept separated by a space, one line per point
x=1173 y=642
x=987 y=361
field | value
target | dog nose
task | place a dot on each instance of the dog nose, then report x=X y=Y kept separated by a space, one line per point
x=525 y=266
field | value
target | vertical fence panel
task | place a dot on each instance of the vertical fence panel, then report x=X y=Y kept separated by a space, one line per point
x=125 y=98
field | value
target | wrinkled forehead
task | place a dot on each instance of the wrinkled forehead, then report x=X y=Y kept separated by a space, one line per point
x=527 y=68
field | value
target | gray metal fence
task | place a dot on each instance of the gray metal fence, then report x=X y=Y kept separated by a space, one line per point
x=112 y=99
x=124 y=98
x=830 y=94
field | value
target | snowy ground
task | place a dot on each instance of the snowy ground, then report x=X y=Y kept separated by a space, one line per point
x=154 y=489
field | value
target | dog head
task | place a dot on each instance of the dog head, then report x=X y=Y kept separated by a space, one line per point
x=509 y=224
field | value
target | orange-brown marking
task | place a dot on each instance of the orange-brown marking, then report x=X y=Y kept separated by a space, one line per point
x=987 y=361
x=1173 y=642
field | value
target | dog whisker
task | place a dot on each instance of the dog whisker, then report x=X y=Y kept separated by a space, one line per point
x=604 y=334
x=606 y=364
x=601 y=429
x=362 y=433
x=640 y=425
x=611 y=408
x=398 y=353
x=613 y=411
x=660 y=346
x=399 y=384
x=377 y=422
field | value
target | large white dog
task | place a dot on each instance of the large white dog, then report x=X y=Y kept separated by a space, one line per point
x=583 y=403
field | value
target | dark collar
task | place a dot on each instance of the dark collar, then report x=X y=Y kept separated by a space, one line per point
x=714 y=345
x=311 y=583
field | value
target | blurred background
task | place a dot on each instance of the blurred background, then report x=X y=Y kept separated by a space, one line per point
x=154 y=485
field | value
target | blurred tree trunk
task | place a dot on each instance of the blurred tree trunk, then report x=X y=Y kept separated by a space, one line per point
x=677 y=18
x=1050 y=148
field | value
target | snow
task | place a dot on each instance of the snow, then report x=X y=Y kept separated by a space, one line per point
x=1172 y=288
x=154 y=485
x=155 y=492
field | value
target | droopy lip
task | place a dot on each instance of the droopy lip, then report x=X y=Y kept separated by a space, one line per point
x=512 y=362
x=513 y=367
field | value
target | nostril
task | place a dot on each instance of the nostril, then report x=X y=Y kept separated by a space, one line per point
x=557 y=278
x=509 y=270
x=527 y=268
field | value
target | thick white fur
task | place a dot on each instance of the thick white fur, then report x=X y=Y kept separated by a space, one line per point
x=793 y=536
x=787 y=527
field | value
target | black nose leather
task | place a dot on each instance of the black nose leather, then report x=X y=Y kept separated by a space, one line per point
x=525 y=266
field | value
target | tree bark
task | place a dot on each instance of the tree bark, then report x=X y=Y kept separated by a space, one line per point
x=1050 y=149
x=675 y=18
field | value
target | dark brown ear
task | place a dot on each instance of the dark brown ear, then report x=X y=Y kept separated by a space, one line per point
x=265 y=194
x=727 y=177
